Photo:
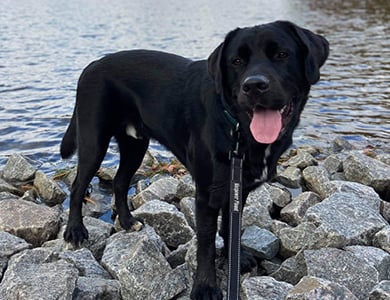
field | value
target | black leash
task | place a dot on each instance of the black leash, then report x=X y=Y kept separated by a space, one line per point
x=236 y=161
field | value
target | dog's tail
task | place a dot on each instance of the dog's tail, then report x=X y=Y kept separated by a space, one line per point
x=69 y=144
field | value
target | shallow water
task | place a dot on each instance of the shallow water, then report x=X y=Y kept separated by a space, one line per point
x=45 y=45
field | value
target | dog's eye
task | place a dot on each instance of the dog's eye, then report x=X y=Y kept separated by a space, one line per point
x=282 y=55
x=237 y=61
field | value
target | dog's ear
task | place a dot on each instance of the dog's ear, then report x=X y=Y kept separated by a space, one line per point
x=215 y=62
x=317 y=51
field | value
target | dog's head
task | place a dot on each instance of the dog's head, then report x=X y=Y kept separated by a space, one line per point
x=264 y=74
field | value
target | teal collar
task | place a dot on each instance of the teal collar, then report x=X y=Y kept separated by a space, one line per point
x=233 y=121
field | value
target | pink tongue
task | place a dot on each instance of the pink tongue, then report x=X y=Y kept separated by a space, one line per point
x=266 y=125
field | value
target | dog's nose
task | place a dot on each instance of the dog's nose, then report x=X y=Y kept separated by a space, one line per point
x=255 y=85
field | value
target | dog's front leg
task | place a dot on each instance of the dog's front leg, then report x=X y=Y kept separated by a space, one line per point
x=205 y=283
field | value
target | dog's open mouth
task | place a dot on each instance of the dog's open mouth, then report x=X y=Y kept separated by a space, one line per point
x=267 y=124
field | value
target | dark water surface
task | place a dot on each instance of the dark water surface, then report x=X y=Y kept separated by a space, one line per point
x=44 y=45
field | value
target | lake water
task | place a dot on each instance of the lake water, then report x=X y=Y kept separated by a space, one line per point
x=44 y=45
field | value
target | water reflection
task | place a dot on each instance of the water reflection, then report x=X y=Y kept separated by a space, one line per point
x=45 y=45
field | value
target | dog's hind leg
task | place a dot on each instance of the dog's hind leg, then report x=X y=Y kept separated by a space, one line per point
x=92 y=150
x=132 y=151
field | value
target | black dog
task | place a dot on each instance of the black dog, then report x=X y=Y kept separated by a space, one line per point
x=259 y=77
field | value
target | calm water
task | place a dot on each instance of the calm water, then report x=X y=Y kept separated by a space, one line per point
x=44 y=45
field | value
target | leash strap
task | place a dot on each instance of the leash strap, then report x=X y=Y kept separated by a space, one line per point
x=236 y=159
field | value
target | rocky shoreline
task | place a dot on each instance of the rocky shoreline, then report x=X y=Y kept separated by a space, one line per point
x=320 y=231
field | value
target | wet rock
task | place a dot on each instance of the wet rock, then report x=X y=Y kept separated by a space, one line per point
x=302 y=160
x=264 y=288
x=290 y=177
x=340 y=144
x=294 y=212
x=257 y=209
x=48 y=189
x=32 y=222
x=187 y=207
x=5 y=187
x=314 y=288
x=260 y=242
x=350 y=216
x=96 y=288
x=368 y=171
x=315 y=178
x=342 y=267
x=18 y=169
x=10 y=245
x=164 y=189
x=381 y=291
x=292 y=240
x=37 y=274
x=382 y=239
x=136 y=260
x=167 y=220
x=375 y=257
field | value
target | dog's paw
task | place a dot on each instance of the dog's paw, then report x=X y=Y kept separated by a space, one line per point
x=206 y=292
x=76 y=234
x=131 y=224
x=248 y=261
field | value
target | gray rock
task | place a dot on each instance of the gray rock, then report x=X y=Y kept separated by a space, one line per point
x=264 y=288
x=334 y=163
x=101 y=205
x=178 y=256
x=294 y=212
x=10 y=245
x=384 y=157
x=277 y=226
x=164 y=189
x=302 y=160
x=136 y=260
x=280 y=195
x=349 y=216
x=88 y=288
x=381 y=291
x=98 y=233
x=18 y=169
x=185 y=189
x=31 y=195
x=32 y=222
x=340 y=144
x=313 y=288
x=382 y=239
x=291 y=270
x=8 y=196
x=368 y=171
x=270 y=266
x=315 y=178
x=260 y=242
x=375 y=257
x=36 y=274
x=85 y=262
x=6 y=187
x=342 y=267
x=167 y=220
x=364 y=192
x=385 y=210
x=187 y=207
x=290 y=177
x=48 y=189
x=292 y=240
x=257 y=209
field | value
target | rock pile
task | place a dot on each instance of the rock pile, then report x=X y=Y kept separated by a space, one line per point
x=321 y=231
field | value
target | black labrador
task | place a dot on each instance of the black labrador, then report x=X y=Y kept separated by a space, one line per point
x=259 y=78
